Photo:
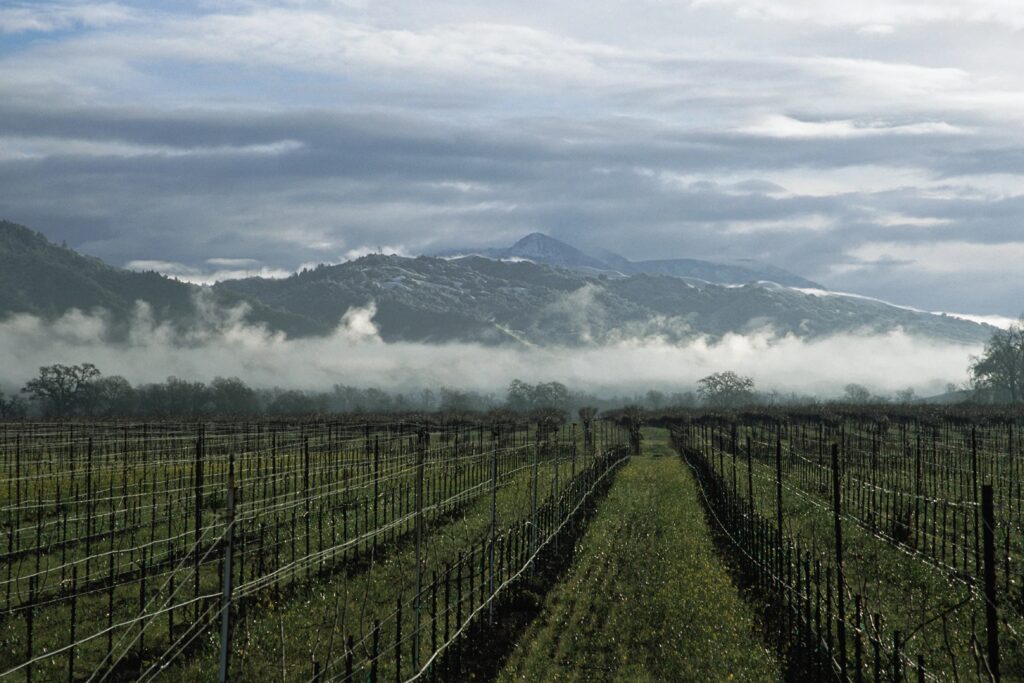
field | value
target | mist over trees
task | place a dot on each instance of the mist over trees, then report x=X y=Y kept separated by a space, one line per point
x=82 y=390
x=726 y=390
x=856 y=393
x=63 y=389
x=999 y=371
x=60 y=391
x=523 y=397
x=12 y=408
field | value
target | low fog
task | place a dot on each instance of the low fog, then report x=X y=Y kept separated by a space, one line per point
x=354 y=354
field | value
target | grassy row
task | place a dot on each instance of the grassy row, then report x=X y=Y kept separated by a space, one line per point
x=647 y=598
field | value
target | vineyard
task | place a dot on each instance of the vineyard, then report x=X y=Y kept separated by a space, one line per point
x=879 y=549
x=804 y=546
x=294 y=551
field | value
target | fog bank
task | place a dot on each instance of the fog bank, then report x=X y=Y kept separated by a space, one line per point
x=222 y=344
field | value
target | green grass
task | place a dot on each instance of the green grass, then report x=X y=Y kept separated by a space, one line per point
x=647 y=598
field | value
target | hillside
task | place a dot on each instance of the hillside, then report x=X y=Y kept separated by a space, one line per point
x=540 y=248
x=480 y=299
x=41 y=278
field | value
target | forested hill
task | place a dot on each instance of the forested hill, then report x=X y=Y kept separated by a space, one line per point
x=45 y=279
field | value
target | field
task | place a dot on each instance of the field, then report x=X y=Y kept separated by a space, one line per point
x=334 y=550
x=752 y=547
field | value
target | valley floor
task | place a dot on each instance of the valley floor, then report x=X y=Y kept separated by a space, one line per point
x=647 y=597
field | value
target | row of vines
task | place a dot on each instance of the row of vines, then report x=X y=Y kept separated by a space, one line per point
x=291 y=551
x=880 y=549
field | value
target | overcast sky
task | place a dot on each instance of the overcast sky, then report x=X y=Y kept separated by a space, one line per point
x=874 y=146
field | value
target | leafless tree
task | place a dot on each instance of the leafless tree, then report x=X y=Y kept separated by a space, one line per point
x=1000 y=369
x=726 y=390
x=62 y=388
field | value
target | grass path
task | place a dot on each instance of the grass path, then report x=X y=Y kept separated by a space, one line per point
x=647 y=598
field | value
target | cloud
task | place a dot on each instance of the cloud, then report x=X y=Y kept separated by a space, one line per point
x=359 y=252
x=223 y=269
x=877 y=29
x=809 y=223
x=1000 y=321
x=356 y=180
x=294 y=133
x=334 y=43
x=875 y=14
x=224 y=345
x=944 y=257
x=25 y=148
x=233 y=262
x=787 y=127
x=357 y=325
x=47 y=17
x=900 y=219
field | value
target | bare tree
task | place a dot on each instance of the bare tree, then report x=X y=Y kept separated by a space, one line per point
x=1000 y=369
x=726 y=390
x=111 y=396
x=654 y=399
x=11 y=408
x=906 y=396
x=856 y=393
x=62 y=388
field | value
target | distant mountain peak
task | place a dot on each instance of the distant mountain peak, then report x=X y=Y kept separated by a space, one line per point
x=538 y=237
x=546 y=249
x=539 y=242
x=542 y=248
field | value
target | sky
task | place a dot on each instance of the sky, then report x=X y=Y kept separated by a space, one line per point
x=875 y=147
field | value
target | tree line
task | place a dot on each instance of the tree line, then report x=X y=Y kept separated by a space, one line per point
x=62 y=391
x=81 y=390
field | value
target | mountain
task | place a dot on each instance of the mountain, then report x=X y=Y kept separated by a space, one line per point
x=513 y=299
x=480 y=299
x=720 y=273
x=44 y=279
x=541 y=248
